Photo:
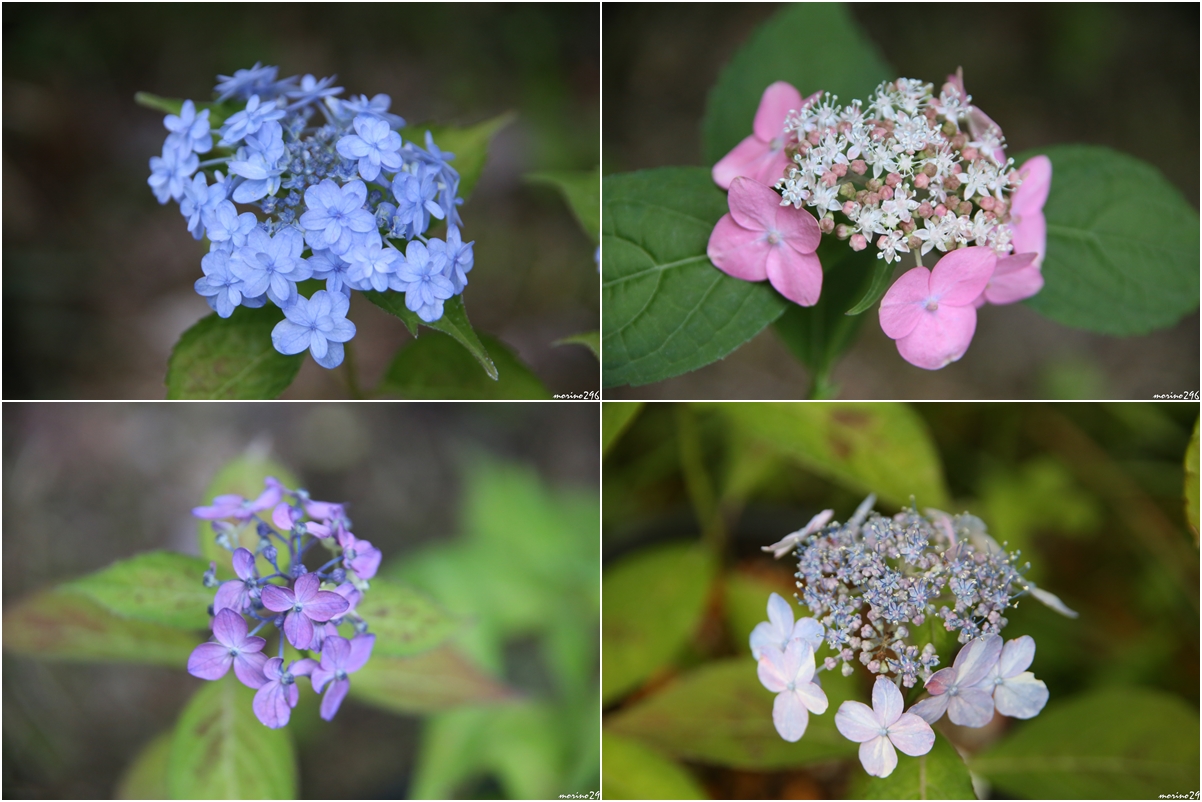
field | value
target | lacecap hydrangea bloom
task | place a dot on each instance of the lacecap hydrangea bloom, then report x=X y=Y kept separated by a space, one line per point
x=299 y=184
x=305 y=607
x=909 y=172
x=866 y=583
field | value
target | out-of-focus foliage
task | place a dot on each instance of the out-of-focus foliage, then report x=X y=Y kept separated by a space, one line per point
x=1090 y=494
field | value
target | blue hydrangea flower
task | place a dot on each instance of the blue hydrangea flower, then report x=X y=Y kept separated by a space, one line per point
x=226 y=228
x=189 y=130
x=243 y=123
x=169 y=172
x=334 y=213
x=311 y=90
x=271 y=265
x=374 y=144
x=332 y=269
x=258 y=80
x=458 y=255
x=220 y=287
x=415 y=202
x=259 y=162
x=318 y=324
x=346 y=110
x=372 y=265
x=420 y=277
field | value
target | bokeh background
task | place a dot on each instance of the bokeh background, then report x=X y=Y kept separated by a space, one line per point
x=88 y=484
x=1091 y=494
x=98 y=277
x=1120 y=75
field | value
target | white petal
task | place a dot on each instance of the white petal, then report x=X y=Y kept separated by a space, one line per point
x=857 y=722
x=886 y=701
x=932 y=708
x=912 y=735
x=1021 y=697
x=761 y=639
x=977 y=659
x=771 y=670
x=809 y=630
x=780 y=614
x=790 y=716
x=1053 y=601
x=878 y=757
x=1016 y=656
x=813 y=697
x=970 y=707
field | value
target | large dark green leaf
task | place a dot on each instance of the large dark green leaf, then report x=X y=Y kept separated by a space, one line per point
x=814 y=46
x=939 y=774
x=633 y=770
x=163 y=587
x=1122 y=244
x=1113 y=743
x=468 y=143
x=220 y=750
x=721 y=714
x=616 y=418
x=435 y=366
x=453 y=322
x=231 y=358
x=582 y=190
x=404 y=621
x=666 y=309
x=62 y=625
x=425 y=683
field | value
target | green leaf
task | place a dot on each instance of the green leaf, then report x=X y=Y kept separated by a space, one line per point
x=146 y=777
x=745 y=601
x=812 y=46
x=1112 y=743
x=939 y=774
x=633 y=770
x=162 y=587
x=1191 y=483
x=437 y=367
x=404 y=621
x=666 y=309
x=616 y=418
x=589 y=339
x=61 y=625
x=721 y=714
x=468 y=143
x=453 y=322
x=425 y=683
x=652 y=601
x=242 y=476
x=1122 y=244
x=871 y=448
x=220 y=750
x=231 y=358
x=878 y=285
x=582 y=190
x=218 y=112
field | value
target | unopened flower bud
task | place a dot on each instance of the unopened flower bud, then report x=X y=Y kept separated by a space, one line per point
x=885 y=192
x=210 y=577
x=924 y=210
x=826 y=224
x=270 y=553
x=965 y=208
x=859 y=167
x=360 y=626
x=949 y=128
x=842 y=231
x=263 y=529
x=893 y=179
x=847 y=190
x=874 y=184
x=829 y=178
x=940 y=210
x=922 y=181
x=846 y=670
x=299 y=570
x=959 y=141
x=223 y=540
x=969 y=153
x=858 y=242
x=986 y=203
x=338 y=576
x=839 y=169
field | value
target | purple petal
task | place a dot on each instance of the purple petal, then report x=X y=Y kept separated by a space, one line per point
x=941 y=680
x=361 y=646
x=299 y=630
x=320 y=677
x=912 y=735
x=878 y=757
x=210 y=661
x=970 y=707
x=303 y=667
x=306 y=587
x=230 y=596
x=248 y=667
x=857 y=721
x=333 y=698
x=271 y=705
x=229 y=628
x=1017 y=656
x=335 y=654
x=977 y=659
x=320 y=530
x=281 y=516
x=931 y=709
x=325 y=605
x=278 y=599
x=1021 y=697
x=367 y=561
x=244 y=564
x=790 y=716
x=886 y=701
x=273 y=668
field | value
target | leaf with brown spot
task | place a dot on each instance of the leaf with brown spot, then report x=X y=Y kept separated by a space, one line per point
x=162 y=587
x=405 y=621
x=425 y=683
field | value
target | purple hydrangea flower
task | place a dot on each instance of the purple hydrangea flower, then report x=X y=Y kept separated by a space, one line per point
x=190 y=131
x=232 y=506
x=372 y=265
x=242 y=124
x=317 y=324
x=271 y=265
x=169 y=172
x=1016 y=692
x=233 y=648
x=779 y=629
x=304 y=604
x=954 y=689
x=330 y=628
x=334 y=214
x=358 y=555
x=374 y=144
x=790 y=675
x=278 y=695
x=239 y=594
x=421 y=276
x=880 y=728
x=339 y=658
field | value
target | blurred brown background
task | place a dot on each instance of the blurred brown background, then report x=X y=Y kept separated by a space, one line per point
x=98 y=277
x=1120 y=75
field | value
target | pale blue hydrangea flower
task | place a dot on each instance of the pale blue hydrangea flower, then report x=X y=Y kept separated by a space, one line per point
x=415 y=194
x=331 y=268
x=226 y=228
x=169 y=172
x=789 y=673
x=271 y=265
x=459 y=257
x=190 y=132
x=374 y=144
x=334 y=213
x=1016 y=692
x=243 y=123
x=954 y=689
x=316 y=324
x=346 y=110
x=260 y=163
x=373 y=265
x=258 y=80
x=311 y=90
x=220 y=287
x=420 y=277
x=779 y=629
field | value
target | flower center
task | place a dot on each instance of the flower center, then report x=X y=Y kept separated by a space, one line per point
x=932 y=304
x=339 y=674
x=298 y=607
x=774 y=237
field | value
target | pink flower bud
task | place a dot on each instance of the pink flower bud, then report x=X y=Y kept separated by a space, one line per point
x=965 y=208
x=930 y=113
x=925 y=210
x=892 y=179
x=859 y=167
x=930 y=170
x=914 y=242
x=858 y=242
x=959 y=141
x=951 y=183
x=827 y=224
x=814 y=137
x=848 y=208
x=952 y=201
x=842 y=231
x=886 y=193
x=986 y=202
x=922 y=181
x=829 y=178
x=906 y=225
x=940 y=210
x=969 y=153
x=839 y=169
x=873 y=184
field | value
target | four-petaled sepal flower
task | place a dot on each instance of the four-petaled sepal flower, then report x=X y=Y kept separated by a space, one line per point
x=233 y=648
x=339 y=658
x=303 y=604
x=278 y=695
x=779 y=629
x=882 y=727
x=790 y=674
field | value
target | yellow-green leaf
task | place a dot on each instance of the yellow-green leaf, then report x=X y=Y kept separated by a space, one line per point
x=424 y=683
x=163 y=587
x=404 y=621
x=146 y=777
x=633 y=770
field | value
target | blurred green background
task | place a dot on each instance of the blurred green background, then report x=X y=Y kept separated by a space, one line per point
x=491 y=509
x=98 y=278
x=1120 y=75
x=1092 y=495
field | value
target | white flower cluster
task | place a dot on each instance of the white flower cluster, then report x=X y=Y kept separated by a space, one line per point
x=939 y=176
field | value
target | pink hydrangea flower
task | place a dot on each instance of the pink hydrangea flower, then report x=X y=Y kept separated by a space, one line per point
x=1016 y=692
x=779 y=629
x=955 y=689
x=760 y=239
x=983 y=130
x=931 y=314
x=880 y=728
x=761 y=156
x=790 y=675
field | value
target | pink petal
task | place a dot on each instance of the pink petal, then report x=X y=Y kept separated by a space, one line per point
x=1030 y=235
x=737 y=251
x=210 y=661
x=961 y=275
x=306 y=587
x=753 y=205
x=902 y=306
x=886 y=701
x=229 y=596
x=931 y=709
x=977 y=659
x=798 y=228
x=1015 y=278
x=770 y=169
x=939 y=339
x=325 y=605
x=970 y=707
x=771 y=670
x=912 y=735
x=361 y=646
x=1017 y=656
x=790 y=716
x=271 y=705
x=857 y=722
x=744 y=160
x=1021 y=697
x=229 y=628
x=299 y=630
x=333 y=697
x=941 y=680
x=796 y=276
x=775 y=104
x=877 y=756
x=248 y=668
x=281 y=516
x=278 y=599
x=1031 y=196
